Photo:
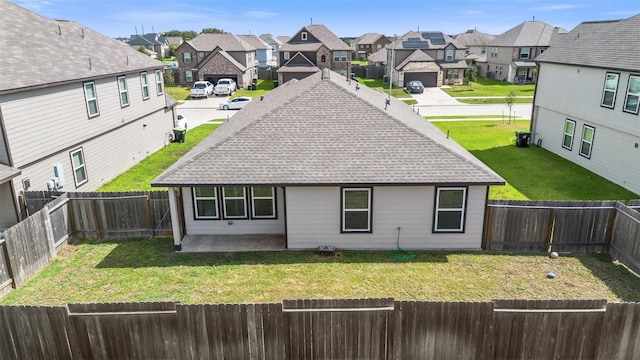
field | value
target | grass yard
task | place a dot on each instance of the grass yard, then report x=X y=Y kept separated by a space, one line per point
x=489 y=87
x=379 y=85
x=139 y=177
x=178 y=93
x=262 y=87
x=149 y=270
x=493 y=100
x=532 y=172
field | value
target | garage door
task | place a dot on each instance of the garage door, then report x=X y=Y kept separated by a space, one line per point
x=214 y=78
x=429 y=79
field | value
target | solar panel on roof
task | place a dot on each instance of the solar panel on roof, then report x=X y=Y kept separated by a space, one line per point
x=415 y=43
x=436 y=37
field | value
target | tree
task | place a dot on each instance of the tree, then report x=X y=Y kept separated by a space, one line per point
x=470 y=76
x=169 y=80
x=172 y=51
x=143 y=50
x=212 y=31
x=510 y=99
x=185 y=35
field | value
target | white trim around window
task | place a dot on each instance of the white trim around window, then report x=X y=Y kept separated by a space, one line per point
x=188 y=76
x=234 y=202
x=610 y=90
x=632 y=100
x=205 y=203
x=449 y=55
x=525 y=53
x=159 y=87
x=144 y=82
x=340 y=56
x=586 y=144
x=356 y=209
x=186 y=57
x=450 y=209
x=124 y=92
x=91 y=98
x=79 y=167
x=303 y=35
x=569 y=131
x=263 y=202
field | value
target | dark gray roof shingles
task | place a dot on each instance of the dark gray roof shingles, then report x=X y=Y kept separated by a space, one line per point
x=323 y=131
x=37 y=51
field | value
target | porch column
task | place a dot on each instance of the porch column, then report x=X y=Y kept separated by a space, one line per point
x=175 y=220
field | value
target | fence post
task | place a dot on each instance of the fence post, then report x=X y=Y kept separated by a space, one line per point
x=487 y=240
x=548 y=241
x=48 y=230
x=610 y=228
x=94 y=207
x=149 y=220
x=5 y=253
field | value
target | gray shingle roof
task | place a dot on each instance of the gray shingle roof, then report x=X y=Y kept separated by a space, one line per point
x=379 y=56
x=368 y=38
x=275 y=39
x=325 y=130
x=325 y=36
x=37 y=51
x=528 y=33
x=227 y=42
x=254 y=41
x=474 y=38
x=608 y=44
x=416 y=56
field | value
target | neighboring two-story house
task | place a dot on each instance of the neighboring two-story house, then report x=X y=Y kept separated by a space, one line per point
x=476 y=43
x=275 y=43
x=511 y=55
x=432 y=57
x=311 y=49
x=214 y=56
x=587 y=102
x=155 y=44
x=75 y=121
x=264 y=52
x=368 y=44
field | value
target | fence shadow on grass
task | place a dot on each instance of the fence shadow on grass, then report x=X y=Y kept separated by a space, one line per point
x=624 y=283
x=159 y=252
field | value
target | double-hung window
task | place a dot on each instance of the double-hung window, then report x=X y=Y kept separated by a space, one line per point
x=91 y=98
x=124 y=93
x=287 y=55
x=633 y=94
x=234 y=202
x=263 y=202
x=339 y=56
x=450 y=209
x=587 y=140
x=205 y=202
x=610 y=90
x=356 y=210
x=145 y=85
x=449 y=55
x=159 y=88
x=79 y=168
x=569 y=130
x=186 y=57
x=524 y=53
x=188 y=76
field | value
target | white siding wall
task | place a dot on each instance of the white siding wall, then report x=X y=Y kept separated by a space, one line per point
x=232 y=226
x=313 y=219
x=44 y=125
x=575 y=93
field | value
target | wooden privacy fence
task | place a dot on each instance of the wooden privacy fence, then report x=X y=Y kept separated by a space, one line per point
x=325 y=329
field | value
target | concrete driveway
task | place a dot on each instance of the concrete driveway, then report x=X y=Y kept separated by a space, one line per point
x=199 y=111
x=436 y=102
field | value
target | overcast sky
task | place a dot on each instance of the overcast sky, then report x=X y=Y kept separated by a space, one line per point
x=345 y=18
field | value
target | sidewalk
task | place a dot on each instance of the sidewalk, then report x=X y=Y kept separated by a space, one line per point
x=435 y=102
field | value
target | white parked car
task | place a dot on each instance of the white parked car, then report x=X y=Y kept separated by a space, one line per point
x=236 y=103
x=225 y=87
x=201 y=89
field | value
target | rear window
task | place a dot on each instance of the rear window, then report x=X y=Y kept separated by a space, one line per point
x=199 y=86
x=223 y=82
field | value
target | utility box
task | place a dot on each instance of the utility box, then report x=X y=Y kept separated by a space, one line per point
x=522 y=138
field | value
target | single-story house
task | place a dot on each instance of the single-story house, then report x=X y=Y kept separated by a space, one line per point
x=324 y=161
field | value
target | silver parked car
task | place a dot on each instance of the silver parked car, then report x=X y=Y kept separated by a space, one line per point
x=236 y=103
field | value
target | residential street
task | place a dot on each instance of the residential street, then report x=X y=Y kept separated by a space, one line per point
x=433 y=101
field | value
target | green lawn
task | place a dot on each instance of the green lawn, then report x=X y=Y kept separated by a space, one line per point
x=149 y=270
x=493 y=100
x=532 y=172
x=378 y=84
x=262 y=87
x=360 y=62
x=489 y=87
x=179 y=93
x=139 y=177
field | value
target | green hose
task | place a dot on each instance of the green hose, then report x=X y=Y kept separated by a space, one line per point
x=400 y=254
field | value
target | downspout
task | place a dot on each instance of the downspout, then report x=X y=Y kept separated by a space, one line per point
x=533 y=105
x=175 y=219
x=284 y=206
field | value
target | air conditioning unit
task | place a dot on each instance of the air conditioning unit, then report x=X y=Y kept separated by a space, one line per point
x=58 y=173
